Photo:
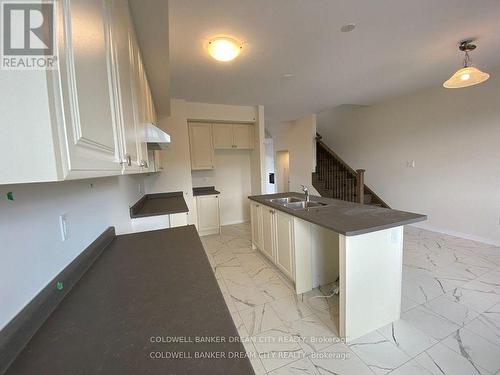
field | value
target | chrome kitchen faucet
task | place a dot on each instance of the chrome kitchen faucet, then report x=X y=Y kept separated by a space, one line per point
x=306 y=192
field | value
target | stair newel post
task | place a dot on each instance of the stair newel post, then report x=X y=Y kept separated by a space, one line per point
x=360 y=185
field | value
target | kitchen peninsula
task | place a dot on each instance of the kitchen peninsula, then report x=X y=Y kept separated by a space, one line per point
x=319 y=241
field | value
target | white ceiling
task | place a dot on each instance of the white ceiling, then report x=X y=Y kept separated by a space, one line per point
x=398 y=46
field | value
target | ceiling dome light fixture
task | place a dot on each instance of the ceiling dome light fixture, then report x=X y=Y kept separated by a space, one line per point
x=224 y=48
x=347 y=28
x=468 y=75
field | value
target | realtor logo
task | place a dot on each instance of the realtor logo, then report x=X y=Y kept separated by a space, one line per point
x=28 y=35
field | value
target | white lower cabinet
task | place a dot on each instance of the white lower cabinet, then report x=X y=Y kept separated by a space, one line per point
x=268 y=232
x=178 y=220
x=207 y=212
x=256 y=219
x=273 y=235
x=148 y=223
x=284 y=243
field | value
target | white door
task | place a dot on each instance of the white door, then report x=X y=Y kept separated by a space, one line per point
x=200 y=145
x=125 y=54
x=284 y=243
x=243 y=136
x=268 y=232
x=87 y=84
x=223 y=136
x=208 y=213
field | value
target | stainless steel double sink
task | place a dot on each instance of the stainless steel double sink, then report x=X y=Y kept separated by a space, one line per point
x=296 y=203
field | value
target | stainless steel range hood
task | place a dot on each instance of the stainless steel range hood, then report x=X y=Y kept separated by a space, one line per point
x=156 y=138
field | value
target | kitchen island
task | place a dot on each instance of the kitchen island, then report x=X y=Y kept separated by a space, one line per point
x=327 y=240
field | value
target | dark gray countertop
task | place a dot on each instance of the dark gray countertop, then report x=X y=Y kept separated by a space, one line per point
x=205 y=190
x=150 y=284
x=159 y=204
x=344 y=217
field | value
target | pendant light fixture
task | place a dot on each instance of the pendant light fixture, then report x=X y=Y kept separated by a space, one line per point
x=468 y=75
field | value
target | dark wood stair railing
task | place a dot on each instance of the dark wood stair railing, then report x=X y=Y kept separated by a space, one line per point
x=335 y=179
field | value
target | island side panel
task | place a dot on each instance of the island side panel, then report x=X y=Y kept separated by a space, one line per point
x=370 y=281
x=325 y=256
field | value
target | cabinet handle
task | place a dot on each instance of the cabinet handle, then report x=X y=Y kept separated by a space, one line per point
x=144 y=164
x=127 y=160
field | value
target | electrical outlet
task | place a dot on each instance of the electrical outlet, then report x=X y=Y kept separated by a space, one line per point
x=63 y=222
x=410 y=164
x=139 y=186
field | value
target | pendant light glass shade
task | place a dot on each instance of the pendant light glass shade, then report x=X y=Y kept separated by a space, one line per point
x=468 y=75
x=465 y=77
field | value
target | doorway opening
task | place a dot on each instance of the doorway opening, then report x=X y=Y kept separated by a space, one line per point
x=283 y=171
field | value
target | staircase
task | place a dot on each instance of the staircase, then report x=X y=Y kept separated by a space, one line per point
x=335 y=179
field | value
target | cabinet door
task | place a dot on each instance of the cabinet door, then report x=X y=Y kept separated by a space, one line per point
x=200 y=146
x=223 y=136
x=256 y=217
x=243 y=136
x=268 y=215
x=126 y=84
x=158 y=160
x=208 y=214
x=284 y=243
x=140 y=103
x=87 y=87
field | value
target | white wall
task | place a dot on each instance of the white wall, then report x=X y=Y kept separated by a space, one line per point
x=454 y=138
x=298 y=138
x=232 y=177
x=221 y=112
x=32 y=252
x=176 y=174
x=269 y=149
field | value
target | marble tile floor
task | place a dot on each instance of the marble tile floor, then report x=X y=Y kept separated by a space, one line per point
x=450 y=321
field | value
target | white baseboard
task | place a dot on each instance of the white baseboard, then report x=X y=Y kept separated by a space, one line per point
x=465 y=236
x=235 y=222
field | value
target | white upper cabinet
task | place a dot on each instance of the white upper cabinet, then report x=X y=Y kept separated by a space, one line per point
x=87 y=87
x=124 y=47
x=223 y=136
x=86 y=118
x=233 y=136
x=140 y=88
x=243 y=136
x=201 y=146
